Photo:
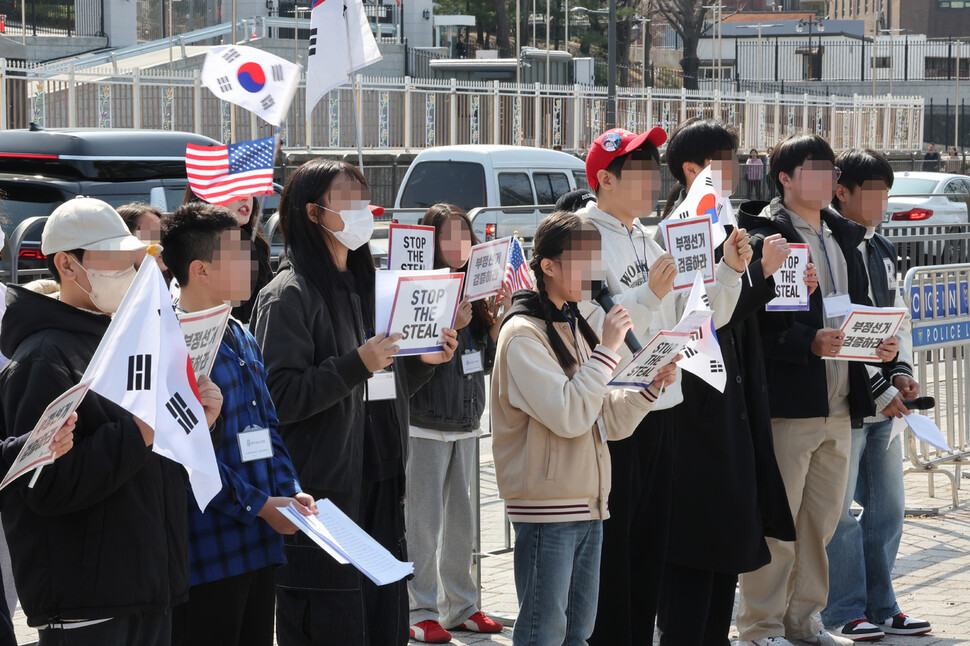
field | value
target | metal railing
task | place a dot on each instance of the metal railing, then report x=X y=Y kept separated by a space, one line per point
x=54 y=17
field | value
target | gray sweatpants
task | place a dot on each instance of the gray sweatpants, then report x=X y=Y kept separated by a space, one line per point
x=438 y=479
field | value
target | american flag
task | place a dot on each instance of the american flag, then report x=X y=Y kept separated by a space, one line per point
x=517 y=274
x=222 y=174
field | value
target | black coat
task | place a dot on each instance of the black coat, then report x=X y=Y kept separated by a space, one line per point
x=103 y=533
x=797 y=376
x=728 y=493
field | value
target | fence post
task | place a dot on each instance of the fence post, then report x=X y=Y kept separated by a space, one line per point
x=857 y=117
x=407 y=114
x=71 y=97
x=805 y=112
x=197 y=101
x=453 y=104
x=136 y=98
x=496 y=114
x=683 y=104
x=649 y=107
x=537 y=117
x=578 y=117
x=777 y=116
x=3 y=94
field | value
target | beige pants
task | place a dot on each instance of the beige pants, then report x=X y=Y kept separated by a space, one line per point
x=783 y=597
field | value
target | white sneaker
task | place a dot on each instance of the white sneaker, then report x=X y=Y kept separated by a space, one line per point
x=823 y=639
x=861 y=631
x=905 y=625
x=770 y=641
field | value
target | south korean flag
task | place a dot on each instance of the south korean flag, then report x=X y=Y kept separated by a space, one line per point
x=261 y=82
x=702 y=356
x=143 y=366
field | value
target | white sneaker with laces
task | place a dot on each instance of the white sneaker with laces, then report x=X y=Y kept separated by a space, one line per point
x=770 y=641
x=823 y=639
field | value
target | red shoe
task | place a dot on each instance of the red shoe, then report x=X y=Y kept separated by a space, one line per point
x=480 y=623
x=430 y=631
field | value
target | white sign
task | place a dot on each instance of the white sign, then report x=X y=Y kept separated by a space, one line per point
x=422 y=307
x=791 y=292
x=37 y=452
x=644 y=366
x=865 y=328
x=486 y=269
x=689 y=242
x=203 y=335
x=410 y=247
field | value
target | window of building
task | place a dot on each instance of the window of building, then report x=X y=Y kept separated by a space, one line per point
x=953 y=4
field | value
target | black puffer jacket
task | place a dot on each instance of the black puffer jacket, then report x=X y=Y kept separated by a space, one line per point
x=103 y=532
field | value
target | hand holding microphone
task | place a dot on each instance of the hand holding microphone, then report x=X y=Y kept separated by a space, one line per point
x=605 y=300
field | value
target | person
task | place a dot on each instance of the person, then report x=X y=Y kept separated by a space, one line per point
x=445 y=423
x=72 y=534
x=754 y=174
x=145 y=223
x=315 y=326
x=624 y=170
x=575 y=200
x=236 y=545
x=724 y=474
x=769 y=186
x=552 y=413
x=861 y=602
x=247 y=212
x=931 y=160
x=461 y=49
x=813 y=402
x=954 y=162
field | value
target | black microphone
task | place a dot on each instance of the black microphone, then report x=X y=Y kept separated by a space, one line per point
x=605 y=299
x=920 y=403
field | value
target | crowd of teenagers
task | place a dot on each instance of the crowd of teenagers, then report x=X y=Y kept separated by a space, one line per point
x=631 y=508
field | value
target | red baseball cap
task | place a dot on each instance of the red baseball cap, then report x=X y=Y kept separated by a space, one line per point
x=613 y=143
x=376 y=211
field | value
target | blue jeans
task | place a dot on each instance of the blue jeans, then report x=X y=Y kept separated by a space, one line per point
x=862 y=552
x=557 y=569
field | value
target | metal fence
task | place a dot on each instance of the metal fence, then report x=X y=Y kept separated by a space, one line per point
x=410 y=114
x=54 y=17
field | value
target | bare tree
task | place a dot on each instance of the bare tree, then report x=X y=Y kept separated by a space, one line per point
x=687 y=19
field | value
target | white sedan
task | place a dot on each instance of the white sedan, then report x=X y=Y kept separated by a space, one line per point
x=920 y=198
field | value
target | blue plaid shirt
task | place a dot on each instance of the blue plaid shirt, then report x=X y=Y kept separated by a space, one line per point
x=229 y=539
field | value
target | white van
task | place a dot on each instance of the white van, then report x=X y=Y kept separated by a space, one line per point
x=489 y=178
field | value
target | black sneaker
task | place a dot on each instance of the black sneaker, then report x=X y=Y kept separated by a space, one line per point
x=861 y=630
x=902 y=625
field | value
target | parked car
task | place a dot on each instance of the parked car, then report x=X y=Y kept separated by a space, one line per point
x=921 y=198
x=491 y=177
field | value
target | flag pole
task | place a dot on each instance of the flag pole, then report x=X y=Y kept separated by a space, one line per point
x=360 y=123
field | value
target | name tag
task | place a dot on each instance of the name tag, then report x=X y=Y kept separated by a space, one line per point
x=601 y=426
x=891 y=274
x=381 y=386
x=255 y=444
x=471 y=362
x=837 y=306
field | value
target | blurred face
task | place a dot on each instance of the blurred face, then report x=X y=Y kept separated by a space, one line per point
x=753 y=153
x=811 y=185
x=345 y=192
x=149 y=230
x=455 y=242
x=232 y=270
x=725 y=171
x=932 y=148
x=579 y=266
x=639 y=184
x=242 y=209
x=866 y=204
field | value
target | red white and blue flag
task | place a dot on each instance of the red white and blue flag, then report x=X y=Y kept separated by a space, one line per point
x=261 y=82
x=517 y=274
x=223 y=174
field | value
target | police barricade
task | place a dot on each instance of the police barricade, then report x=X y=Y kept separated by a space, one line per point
x=937 y=297
x=930 y=244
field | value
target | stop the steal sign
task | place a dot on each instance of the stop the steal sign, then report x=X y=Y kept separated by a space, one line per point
x=422 y=307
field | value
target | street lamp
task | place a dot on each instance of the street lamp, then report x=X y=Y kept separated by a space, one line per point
x=610 y=60
x=759 y=27
x=643 y=44
x=800 y=27
x=717 y=8
x=296 y=31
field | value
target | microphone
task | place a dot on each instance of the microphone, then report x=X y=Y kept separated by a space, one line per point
x=920 y=403
x=605 y=299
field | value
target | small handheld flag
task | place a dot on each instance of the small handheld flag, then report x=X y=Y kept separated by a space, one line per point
x=223 y=174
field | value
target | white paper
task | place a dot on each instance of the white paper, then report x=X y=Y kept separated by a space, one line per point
x=203 y=335
x=702 y=356
x=486 y=269
x=36 y=452
x=423 y=305
x=410 y=247
x=791 y=292
x=642 y=369
x=865 y=328
x=689 y=242
x=923 y=427
x=348 y=543
x=385 y=286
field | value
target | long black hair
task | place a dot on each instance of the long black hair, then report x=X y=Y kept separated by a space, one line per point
x=696 y=140
x=554 y=235
x=304 y=239
x=437 y=216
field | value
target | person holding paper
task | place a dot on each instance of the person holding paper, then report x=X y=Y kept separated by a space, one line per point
x=445 y=422
x=814 y=403
x=624 y=170
x=236 y=546
x=861 y=601
x=246 y=210
x=99 y=543
x=343 y=415
x=552 y=415
x=724 y=474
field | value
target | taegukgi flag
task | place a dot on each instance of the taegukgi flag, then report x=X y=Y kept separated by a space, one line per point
x=341 y=43
x=702 y=356
x=261 y=82
x=142 y=365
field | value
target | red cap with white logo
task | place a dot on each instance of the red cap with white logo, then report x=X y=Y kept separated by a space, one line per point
x=613 y=143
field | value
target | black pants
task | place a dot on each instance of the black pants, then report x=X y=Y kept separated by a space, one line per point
x=635 y=535
x=319 y=602
x=131 y=630
x=697 y=606
x=234 y=611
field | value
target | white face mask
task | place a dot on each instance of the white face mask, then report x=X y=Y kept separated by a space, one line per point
x=870 y=231
x=108 y=288
x=358 y=224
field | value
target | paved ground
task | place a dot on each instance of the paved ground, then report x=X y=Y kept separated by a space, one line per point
x=932 y=571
